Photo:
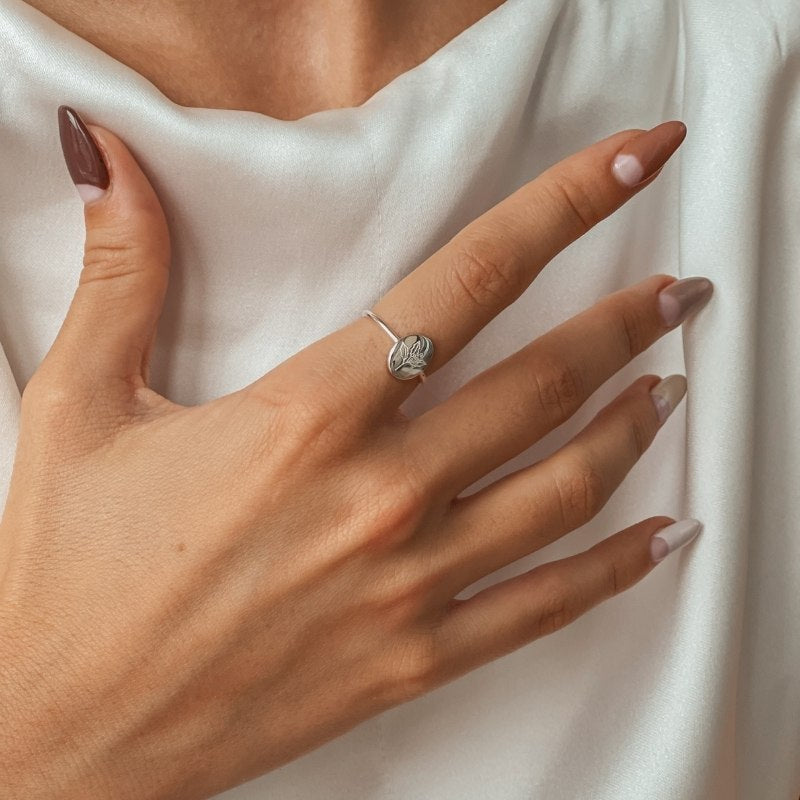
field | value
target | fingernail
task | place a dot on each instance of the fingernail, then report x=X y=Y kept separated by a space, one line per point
x=84 y=162
x=683 y=297
x=667 y=394
x=647 y=153
x=669 y=539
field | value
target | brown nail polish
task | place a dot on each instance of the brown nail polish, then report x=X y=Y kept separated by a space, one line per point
x=84 y=161
x=647 y=153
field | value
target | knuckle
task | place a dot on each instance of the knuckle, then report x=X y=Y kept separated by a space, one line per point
x=639 y=435
x=580 y=492
x=484 y=271
x=574 y=197
x=292 y=419
x=394 y=509
x=404 y=591
x=614 y=580
x=110 y=257
x=52 y=397
x=557 y=608
x=415 y=667
x=631 y=329
x=559 y=387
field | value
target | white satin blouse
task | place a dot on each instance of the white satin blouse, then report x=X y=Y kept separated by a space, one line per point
x=684 y=687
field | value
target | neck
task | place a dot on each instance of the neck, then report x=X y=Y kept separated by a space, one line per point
x=282 y=58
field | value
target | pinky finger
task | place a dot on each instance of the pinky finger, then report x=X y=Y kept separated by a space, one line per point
x=512 y=613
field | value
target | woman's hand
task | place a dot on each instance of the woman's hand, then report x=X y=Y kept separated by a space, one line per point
x=192 y=596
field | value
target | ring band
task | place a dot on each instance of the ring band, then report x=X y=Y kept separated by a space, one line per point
x=409 y=355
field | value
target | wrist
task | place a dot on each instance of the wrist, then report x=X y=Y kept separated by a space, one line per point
x=43 y=754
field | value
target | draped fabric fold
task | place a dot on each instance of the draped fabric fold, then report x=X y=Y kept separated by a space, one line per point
x=686 y=686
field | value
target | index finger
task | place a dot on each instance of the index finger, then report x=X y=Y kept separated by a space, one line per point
x=454 y=293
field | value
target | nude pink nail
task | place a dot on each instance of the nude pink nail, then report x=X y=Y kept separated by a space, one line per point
x=668 y=539
x=682 y=298
x=646 y=153
x=667 y=394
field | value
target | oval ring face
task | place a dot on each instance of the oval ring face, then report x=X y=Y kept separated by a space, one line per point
x=409 y=356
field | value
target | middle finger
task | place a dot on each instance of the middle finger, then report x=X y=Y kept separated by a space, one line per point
x=505 y=409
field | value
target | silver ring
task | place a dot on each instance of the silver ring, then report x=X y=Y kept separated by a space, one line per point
x=409 y=355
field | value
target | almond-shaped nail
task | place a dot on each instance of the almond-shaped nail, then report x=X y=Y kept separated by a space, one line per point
x=667 y=394
x=669 y=539
x=646 y=153
x=682 y=298
x=84 y=161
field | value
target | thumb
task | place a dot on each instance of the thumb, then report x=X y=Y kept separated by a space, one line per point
x=109 y=329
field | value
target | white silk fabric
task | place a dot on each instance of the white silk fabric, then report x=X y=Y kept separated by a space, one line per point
x=684 y=687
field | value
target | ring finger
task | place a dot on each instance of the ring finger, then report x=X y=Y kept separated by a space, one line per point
x=536 y=505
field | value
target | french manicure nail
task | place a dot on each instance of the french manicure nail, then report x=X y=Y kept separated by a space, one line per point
x=683 y=297
x=84 y=161
x=646 y=153
x=667 y=394
x=669 y=539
